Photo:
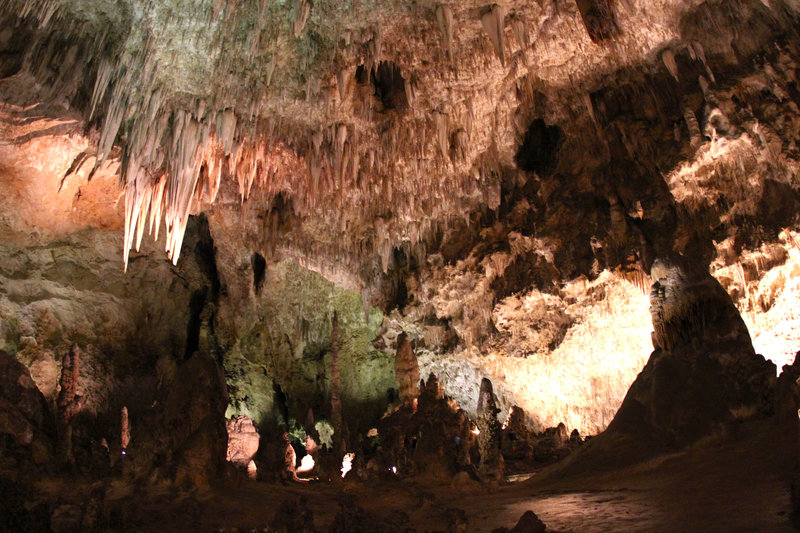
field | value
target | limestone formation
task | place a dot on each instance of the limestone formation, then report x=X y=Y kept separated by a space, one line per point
x=289 y=459
x=702 y=377
x=339 y=431
x=183 y=440
x=406 y=370
x=528 y=523
x=124 y=430
x=69 y=400
x=490 y=437
x=593 y=204
x=432 y=439
x=243 y=441
x=598 y=17
x=25 y=420
x=516 y=443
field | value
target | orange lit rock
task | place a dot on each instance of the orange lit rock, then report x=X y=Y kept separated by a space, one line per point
x=243 y=440
x=406 y=369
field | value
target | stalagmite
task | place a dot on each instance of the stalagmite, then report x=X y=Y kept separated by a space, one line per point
x=69 y=401
x=124 y=431
x=406 y=370
x=489 y=439
x=339 y=442
x=693 y=127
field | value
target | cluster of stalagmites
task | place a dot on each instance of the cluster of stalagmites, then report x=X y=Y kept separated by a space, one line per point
x=426 y=434
x=184 y=439
x=702 y=377
x=179 y=439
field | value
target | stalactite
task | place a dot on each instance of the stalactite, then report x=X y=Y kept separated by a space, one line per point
x=701 y=55
x=178 y=135
x=598 y=18
x=440 y=119
x=493 y=22
x=587 y=100
x=521 y=34
x=301 y=17
x=668 y=57
x=444 y=16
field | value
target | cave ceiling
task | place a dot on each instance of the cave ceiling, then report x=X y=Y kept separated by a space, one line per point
x=359 y=137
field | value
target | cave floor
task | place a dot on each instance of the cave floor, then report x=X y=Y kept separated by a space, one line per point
x=739 y=485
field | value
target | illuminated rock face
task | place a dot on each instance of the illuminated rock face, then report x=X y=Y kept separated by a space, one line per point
x=406 y=369
x=494 y=180
x=702 y=377
x=243 y=440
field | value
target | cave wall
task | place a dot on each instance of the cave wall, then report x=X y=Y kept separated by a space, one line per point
x=503 y=208
x=132 y=328
x=275 y=345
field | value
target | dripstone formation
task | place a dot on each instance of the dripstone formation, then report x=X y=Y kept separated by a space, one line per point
x=235 y=237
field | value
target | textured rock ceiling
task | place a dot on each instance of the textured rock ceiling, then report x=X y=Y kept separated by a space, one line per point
x=376 y=124
x=502 y=174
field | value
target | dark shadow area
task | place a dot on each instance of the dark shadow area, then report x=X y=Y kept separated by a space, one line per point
x=196 y=305
x=598 y=17
x=388 y=83
x=539 y=150
x=259 y=265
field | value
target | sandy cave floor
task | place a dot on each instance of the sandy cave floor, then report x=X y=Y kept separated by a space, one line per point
x=740 y=485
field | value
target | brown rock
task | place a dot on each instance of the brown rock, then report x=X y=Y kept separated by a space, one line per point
x=406 y=369
x=489 y=439
x=354 y=519
x=185 y=440
x=457 y=521
x=293 y=516
x=528 y=523
x=23 y=411
x=243 y=440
